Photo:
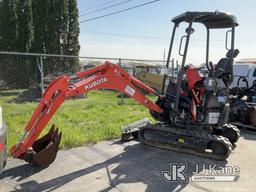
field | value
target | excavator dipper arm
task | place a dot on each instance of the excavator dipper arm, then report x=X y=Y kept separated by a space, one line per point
x=43 y=151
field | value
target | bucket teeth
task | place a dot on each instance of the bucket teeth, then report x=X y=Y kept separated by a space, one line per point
x=44 y=150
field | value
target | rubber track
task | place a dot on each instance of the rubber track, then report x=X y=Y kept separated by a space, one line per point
x=185 y=133
x=233 y=127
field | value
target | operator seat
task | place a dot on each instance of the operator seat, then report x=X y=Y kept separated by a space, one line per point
x=224 y=68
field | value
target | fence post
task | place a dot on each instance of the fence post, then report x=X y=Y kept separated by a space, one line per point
x=41 y=69
x=122 y=95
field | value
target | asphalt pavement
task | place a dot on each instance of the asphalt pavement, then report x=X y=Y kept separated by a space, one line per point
x=115 y=166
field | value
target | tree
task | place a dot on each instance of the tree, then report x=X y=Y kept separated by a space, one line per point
x=56 y=26
x=56 y=37
x=40 y=18
x=73 y=47
x=56 y=30
x=8 y=26
x=25 y=66
x=8 y=38
x=41 y=26
x=25 y=32
x=1 y=22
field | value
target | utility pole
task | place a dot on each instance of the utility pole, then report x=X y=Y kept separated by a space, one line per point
x=164 y=57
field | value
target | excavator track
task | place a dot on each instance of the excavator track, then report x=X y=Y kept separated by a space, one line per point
x=186 y=141
x=229 y=131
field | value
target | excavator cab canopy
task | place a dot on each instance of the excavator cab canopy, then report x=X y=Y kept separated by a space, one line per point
x=212 y=20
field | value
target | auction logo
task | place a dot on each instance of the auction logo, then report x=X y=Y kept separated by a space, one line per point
x=203 y=173
x=175 y=173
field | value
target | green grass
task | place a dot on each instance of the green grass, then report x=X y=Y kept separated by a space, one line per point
x=98 y=117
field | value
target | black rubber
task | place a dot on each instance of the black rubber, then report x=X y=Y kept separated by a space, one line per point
x=231 y=132
x=186 y=141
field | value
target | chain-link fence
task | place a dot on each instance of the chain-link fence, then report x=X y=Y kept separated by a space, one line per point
x=24 y=76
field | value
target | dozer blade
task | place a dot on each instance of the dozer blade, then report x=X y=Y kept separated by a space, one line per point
x=130 y=131
x=44 y=150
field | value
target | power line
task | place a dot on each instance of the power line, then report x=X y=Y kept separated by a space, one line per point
x=151 y=37
x=123 y=10
x=104 y=8
x=128 y=35
x=99 y=5
x=139 y=36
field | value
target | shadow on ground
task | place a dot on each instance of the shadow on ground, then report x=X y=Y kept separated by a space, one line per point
x=21 y=172
x=137 y=164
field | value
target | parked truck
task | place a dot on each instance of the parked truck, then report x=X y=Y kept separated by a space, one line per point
x=244 y=73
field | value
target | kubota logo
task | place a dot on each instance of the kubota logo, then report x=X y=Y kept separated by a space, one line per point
x=95 y=83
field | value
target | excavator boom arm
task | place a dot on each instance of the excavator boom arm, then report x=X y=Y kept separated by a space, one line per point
x=105 y=76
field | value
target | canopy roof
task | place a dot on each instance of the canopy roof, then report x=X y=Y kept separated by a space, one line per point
x=209 y=19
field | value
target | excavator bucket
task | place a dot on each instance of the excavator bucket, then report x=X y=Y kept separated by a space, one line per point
x=44 y=150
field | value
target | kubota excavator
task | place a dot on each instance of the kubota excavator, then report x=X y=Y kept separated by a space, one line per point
x=192 y=113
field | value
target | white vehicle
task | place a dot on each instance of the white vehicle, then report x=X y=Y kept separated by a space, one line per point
x=244 y=68
x=3 y=142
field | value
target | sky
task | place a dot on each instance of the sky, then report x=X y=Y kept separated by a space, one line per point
x=128 y=34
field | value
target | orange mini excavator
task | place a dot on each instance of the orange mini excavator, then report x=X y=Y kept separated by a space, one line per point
x=192 y=114
x=107 y=76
